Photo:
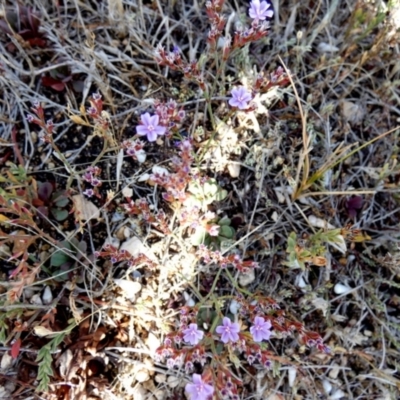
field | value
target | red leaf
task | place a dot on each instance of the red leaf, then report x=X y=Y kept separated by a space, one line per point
x=15 y=348
x=53 y=83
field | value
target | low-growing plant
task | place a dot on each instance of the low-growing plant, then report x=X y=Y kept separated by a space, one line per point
x=222 y=331
x=213 y=232
x=59 y=78
x=24 y=22
x=50 y=202
x=203 y=193
x=68 y=255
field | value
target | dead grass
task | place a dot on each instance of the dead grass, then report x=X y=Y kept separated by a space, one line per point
x=344 y=60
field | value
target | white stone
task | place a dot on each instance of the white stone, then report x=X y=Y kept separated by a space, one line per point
x=234 y=169
x=339 y=288
x=292 y=375
x=142 y=375
x=36 y=299
x=173 y=381
x=129 y=288
x=6 y=361
x=327 y=386
x=234 y=307
x=47 y=296
x=160 y=378
x=338 y=394
x=246 y=278
x=153 y=343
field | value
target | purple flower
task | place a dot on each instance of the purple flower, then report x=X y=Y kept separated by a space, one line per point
x=193 y=334
x=150 y=127
x=259 y=10
x=88 y=192
x=261 y=329
x=228 y=330
x=199 y=390
x=240 y=98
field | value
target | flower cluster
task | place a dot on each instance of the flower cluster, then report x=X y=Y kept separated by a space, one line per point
x=276 y=78
x=224 y=261
x=177 y=350
x=189 y=345
x=175 y=184
x=116 y=256
x=91 y=176
x=170 y=114
x=134 y=148
x=174 y=61
x=259 y=12
x=217 y=22
x=141 y=208
x=192 y=217
x=46 y=134
x=96 y=112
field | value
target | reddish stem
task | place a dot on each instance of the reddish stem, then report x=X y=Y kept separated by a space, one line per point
x=17 y=151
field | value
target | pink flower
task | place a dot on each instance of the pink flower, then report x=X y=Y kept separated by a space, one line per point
x=150 y=127
x=240 y=98
x=193 y=334
x=228 y=330
x=259 y=10
x=213 y=230
x=261 y=329
x=199 y=390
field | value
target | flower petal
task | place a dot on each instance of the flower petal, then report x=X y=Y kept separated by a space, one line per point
x=146 y=119
x=160 y=130
x=151 y=136
x=142 y=130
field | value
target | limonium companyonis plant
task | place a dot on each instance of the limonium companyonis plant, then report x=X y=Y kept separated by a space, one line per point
x=210 y=342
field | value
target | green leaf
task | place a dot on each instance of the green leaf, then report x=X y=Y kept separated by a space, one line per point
x=59 y=257
x=59 y=215
x=224 y=221
x=291 y=242
x=226 y=232
x=60 y=199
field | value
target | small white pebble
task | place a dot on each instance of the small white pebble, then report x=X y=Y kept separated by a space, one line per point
x=36 y=300
x=142 y=376
x=173 y=381
x=334 y=372
x=234 y=307
x=160 y=378
x=47 y=296
x=127 y=191
x=292 y=376
x=338 y=394
x=234 y=170
x=189 y=300
x=327 y=386
x=339 y=288
x=246 y=278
